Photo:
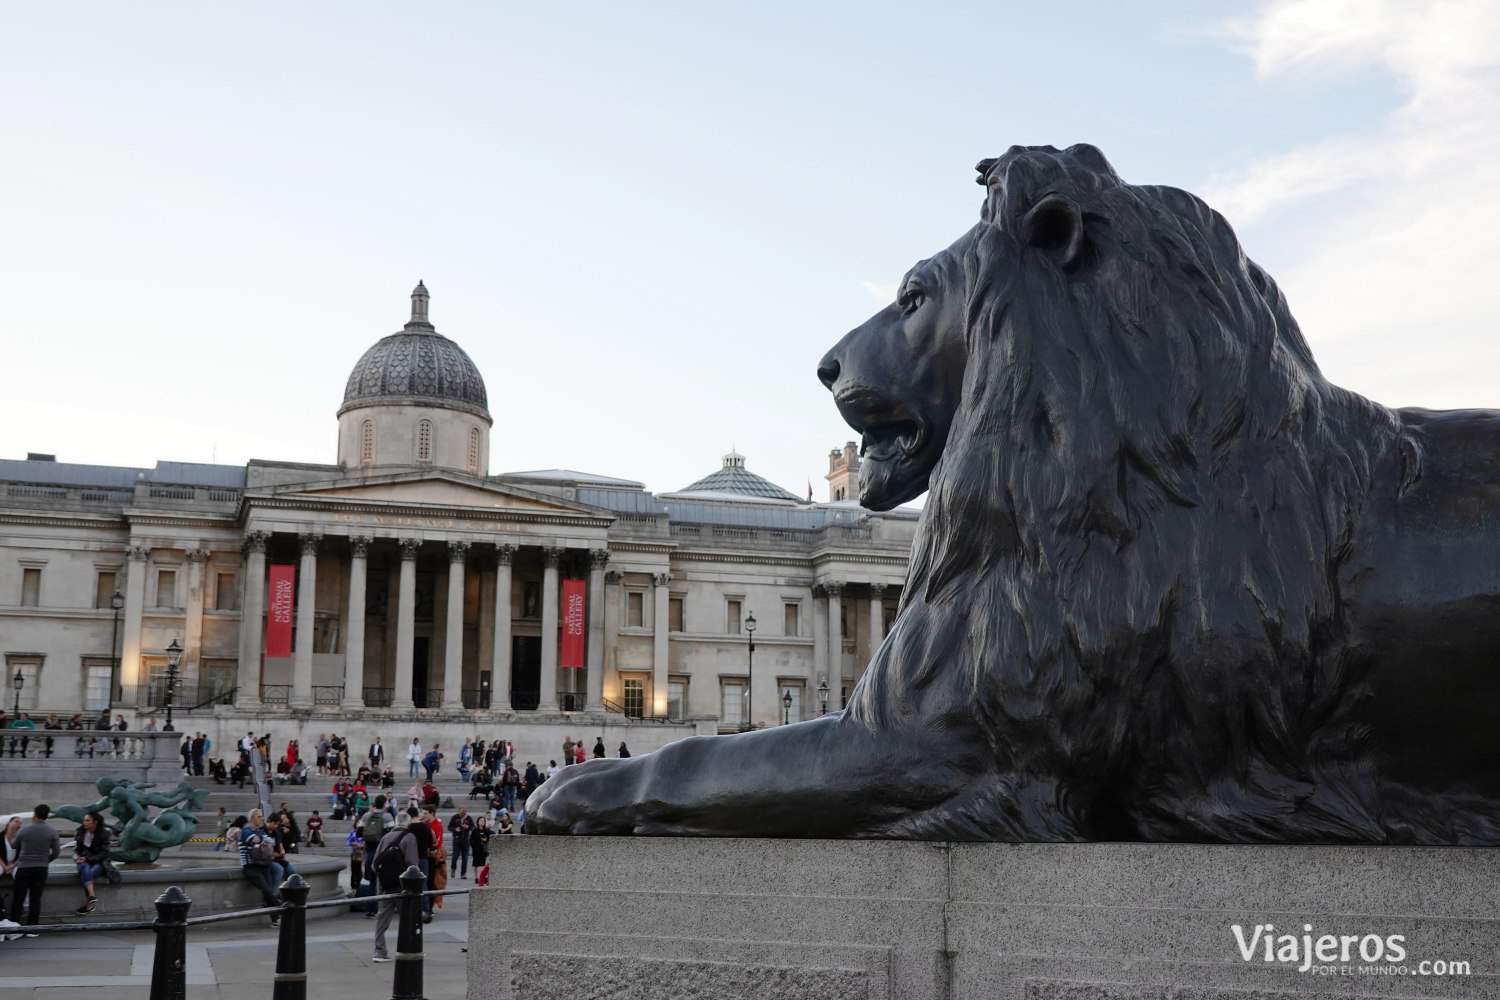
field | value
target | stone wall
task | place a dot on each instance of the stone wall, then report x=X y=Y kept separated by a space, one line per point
x=648 y=918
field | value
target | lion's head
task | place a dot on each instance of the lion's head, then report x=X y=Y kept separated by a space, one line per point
x=1127 y=443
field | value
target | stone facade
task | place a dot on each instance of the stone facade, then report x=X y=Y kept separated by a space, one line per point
x=427 y=588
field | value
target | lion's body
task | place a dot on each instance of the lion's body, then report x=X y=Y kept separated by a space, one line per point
x=1169 y=583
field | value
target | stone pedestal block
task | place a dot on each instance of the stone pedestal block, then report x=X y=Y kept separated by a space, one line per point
x=763 y=919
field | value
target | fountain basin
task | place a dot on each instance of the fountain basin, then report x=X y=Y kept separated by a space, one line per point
x=213 y=881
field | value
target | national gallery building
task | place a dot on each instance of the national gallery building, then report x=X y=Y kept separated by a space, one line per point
x=405 y=582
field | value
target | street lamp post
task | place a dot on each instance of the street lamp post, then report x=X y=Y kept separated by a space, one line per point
x=18 y=682
x=786 y=707
x=174 y=657
x=823 y=696
x=116 y=603
x=750 y=682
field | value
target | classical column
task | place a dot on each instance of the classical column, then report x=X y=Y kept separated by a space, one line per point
x=354 y=625
x=192 y=631
x=598 y=559
x=551 y=556
x=252 y=624
x=609 y=653
x=307 y=592
x=877 y=616
x=406 y=632
x=661 y=601
x=453 y=648
x=500 y=667
x=835 y=645
x=130 y=642
x=820 y=644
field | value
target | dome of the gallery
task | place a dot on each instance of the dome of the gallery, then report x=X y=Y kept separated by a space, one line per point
x=733 y=477
x=417 y=366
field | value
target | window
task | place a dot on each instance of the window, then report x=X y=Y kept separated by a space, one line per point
x=155 y=671
x=226 y=592
x=838 y=494
x=218 y=679
x=676 y=698
x=635 y=698
x=31 y=588
x=424 y=441
x=844 y=621
x=474 y=450
x=888 y=617
x=791 y=618
x=635 y=609
x=732 y=616
x=30 y=668
x=794 y=712
x=674 y=615
x=97 y=674
x=166 y=588
x=731 y=704
x=367 y=442
x=104 y=588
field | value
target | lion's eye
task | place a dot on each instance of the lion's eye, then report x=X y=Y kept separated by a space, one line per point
x=911 y=298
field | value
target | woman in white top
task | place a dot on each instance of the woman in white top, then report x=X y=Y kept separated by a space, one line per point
x=413 y=757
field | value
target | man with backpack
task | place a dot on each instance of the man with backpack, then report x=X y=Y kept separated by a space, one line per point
x=396 y=852
x=373 y=826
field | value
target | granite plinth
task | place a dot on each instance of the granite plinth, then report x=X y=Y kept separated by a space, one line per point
x=646 y=918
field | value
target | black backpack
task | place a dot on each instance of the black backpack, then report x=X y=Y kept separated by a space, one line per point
x=390 y=865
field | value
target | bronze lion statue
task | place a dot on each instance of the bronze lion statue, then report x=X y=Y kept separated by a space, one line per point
x=1169 y=583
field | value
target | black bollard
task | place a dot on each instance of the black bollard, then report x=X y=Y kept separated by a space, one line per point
x=291 y=945
x=169 y=969
x=408 y=981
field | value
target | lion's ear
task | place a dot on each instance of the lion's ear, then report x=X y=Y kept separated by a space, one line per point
x=1055 y=224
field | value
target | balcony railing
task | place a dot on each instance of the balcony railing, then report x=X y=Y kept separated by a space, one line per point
x=379 y=697
x=328 y=695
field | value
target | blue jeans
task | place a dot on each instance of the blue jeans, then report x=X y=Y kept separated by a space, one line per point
x=426 y=865
x=412 y=770
x=89 y=872
x=510 y=799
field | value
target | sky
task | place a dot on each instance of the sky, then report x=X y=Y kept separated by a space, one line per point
x=647 y=221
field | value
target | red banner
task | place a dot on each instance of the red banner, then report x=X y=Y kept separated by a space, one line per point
x=279 y=611
x=571 y=653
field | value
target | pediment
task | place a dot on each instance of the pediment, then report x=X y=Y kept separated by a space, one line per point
x=440 y=493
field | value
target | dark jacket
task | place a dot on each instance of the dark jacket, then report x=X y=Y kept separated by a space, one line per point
x=97 y=847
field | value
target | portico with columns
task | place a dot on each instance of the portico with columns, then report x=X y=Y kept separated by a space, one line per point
x=449 y=539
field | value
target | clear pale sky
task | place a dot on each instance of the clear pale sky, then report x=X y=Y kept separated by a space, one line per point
x=646 y=222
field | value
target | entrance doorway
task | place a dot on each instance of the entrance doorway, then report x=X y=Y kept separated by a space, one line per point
x=525 y=672
x=419 y=650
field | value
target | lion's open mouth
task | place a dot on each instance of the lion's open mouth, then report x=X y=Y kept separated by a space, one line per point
x=898 y=439
x=894 y=443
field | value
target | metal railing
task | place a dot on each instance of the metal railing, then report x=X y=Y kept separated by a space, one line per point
x=328 y=695
x=641 y=713
x=427 y=697
x=186 y=698
x=525 y=701
x=276 y=695
x=169 y=967
x=378 y=697
x=476 y=698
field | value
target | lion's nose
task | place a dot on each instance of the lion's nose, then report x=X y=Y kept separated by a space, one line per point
x=828 y=370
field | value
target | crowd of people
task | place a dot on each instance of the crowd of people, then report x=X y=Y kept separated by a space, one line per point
x=409 y=833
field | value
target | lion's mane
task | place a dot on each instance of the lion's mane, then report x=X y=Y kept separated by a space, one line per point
x=1127 y=575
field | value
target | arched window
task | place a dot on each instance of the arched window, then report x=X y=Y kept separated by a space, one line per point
x=474 y=450
x=424 y=441
x=367 y=442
